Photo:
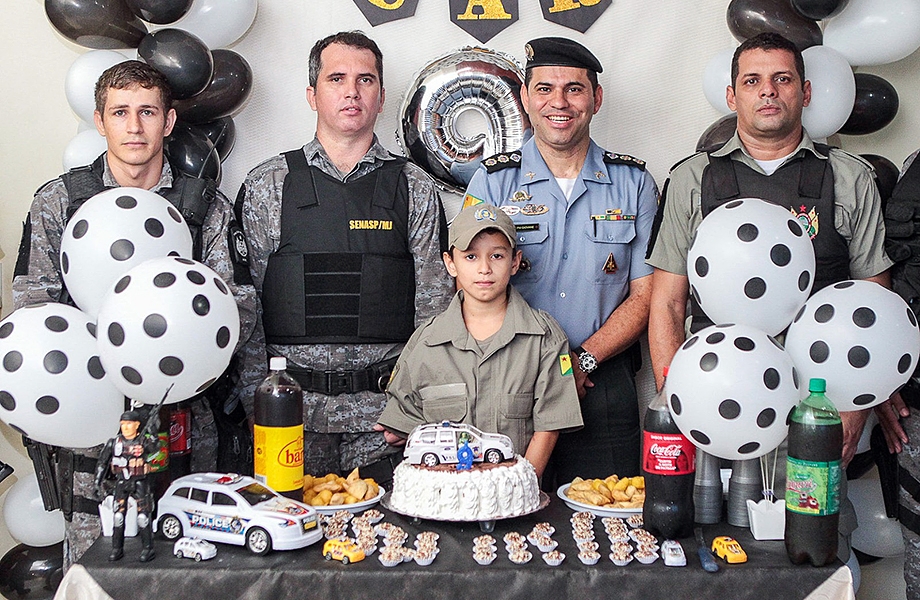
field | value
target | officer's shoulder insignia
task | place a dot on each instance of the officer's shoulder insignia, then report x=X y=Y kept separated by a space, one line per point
x=502 y=161
x=612 y=158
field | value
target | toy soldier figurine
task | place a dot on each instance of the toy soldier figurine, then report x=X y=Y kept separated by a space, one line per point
x=126 y=457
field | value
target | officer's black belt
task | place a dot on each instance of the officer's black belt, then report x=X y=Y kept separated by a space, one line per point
x=909 y=483
x=332 y=383
x=909 y=518
x=382 y=470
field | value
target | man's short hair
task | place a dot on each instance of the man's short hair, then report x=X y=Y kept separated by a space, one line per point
x=129 y=74
x=769 y=41
x=355 y=39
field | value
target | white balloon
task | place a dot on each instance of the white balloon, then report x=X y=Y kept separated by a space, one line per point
x=876 y=535
x=83 y=149
x=218 y=23
x=80 y=82
x=833 y=91
x=167 y=321
x=26 y=518
x=875 y=32
x=751 y=263
x=113 y=232
x=716 y=77
x=858 y=336
x=53 y=388
x=730 y=389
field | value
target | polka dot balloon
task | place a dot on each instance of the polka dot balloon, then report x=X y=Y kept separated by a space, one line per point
x=53 y=387
x=751 y=263
x=167 y=321
x=858 y=336
x=730 y=388
x=112 y=232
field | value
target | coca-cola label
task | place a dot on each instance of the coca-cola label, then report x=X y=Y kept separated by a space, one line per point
x=667 y=454
x=180 y=437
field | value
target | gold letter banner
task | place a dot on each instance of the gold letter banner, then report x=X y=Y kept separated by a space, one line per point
x=484 y=19
x=574 y=14
x=378 y=12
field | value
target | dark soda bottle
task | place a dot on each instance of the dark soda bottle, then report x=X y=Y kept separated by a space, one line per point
x=180 y=439
x=278 y=432
x=668 y=467
x=813 y=478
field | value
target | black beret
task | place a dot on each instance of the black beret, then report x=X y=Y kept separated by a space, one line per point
x=130 y=415
x=560 y=52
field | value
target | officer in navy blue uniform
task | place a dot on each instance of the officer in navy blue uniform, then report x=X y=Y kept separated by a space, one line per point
x=583 y=217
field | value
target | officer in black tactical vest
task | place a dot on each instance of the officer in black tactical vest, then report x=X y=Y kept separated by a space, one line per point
x=345 y=246
x=134 y=114
x=772 y=157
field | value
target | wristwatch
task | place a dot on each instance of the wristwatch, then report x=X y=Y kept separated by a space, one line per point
x=586 y=360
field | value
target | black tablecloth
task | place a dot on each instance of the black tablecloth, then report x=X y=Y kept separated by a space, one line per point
x=236 y=573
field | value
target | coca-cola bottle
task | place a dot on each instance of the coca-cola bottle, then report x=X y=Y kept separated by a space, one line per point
x=668 y=467
x=180 y=439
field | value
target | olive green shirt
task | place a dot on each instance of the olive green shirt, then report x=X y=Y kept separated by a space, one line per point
x=522 y=383
x=857 y=209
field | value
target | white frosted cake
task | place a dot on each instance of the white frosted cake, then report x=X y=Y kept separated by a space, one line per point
x=488 y=491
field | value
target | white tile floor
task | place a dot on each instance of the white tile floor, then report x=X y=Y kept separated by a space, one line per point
x=883 y=580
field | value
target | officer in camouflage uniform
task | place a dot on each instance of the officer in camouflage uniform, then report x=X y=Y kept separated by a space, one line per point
x=351 y=207
x=132 y=112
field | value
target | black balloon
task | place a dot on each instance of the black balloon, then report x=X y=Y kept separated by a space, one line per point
x=718 y=133
x=226 y=92
x=181 y=57
x=192 y=152
x=160 y=12
x=818 y=9
x=30 y=572
x=222 y=134
x=876 y=105
x=99 y=24
x=747 y=18
x=886 y=174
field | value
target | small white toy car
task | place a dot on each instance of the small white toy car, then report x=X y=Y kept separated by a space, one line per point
x=200 y=550
x=235 y=509
x=437 y=443
x=673 y=554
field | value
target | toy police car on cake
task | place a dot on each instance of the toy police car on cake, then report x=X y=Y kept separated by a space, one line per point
x=435 y=443
x=235 y=509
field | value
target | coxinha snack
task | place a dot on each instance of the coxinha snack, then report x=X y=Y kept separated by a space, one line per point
x=612 y=492
x=335 y=490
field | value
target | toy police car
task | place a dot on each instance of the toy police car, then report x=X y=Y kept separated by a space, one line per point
x=235 y=509
x=436 y=443
x=194 y=548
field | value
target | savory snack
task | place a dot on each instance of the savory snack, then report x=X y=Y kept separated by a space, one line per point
x=335 y=490
x=612 y=492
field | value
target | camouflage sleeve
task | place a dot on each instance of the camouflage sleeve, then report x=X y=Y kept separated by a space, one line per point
x=39 y=278
x=433 y=286
x=220 y=235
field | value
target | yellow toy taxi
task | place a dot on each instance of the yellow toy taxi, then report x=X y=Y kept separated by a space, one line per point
x=728 y=549
x=344 y=550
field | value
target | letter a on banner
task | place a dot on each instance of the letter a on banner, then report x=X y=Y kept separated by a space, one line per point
x=484 y=19
x=378 y=12
x=574 y=14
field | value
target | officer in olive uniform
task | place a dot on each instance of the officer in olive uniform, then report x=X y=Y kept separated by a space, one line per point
x=345 y=254
x=583 y=218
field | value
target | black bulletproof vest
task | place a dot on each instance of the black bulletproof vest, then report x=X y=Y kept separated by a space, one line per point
x=190 y=195
x=343 y=272
x=902 y=236
x=803 y=181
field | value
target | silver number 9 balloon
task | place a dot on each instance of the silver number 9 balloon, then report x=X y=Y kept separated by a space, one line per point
x=437 y=131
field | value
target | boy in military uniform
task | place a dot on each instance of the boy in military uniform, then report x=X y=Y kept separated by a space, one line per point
x=489 y=360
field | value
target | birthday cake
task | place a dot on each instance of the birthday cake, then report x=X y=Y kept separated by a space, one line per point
x=485 y=492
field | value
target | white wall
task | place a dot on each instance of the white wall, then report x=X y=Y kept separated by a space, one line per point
x=653 y=54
